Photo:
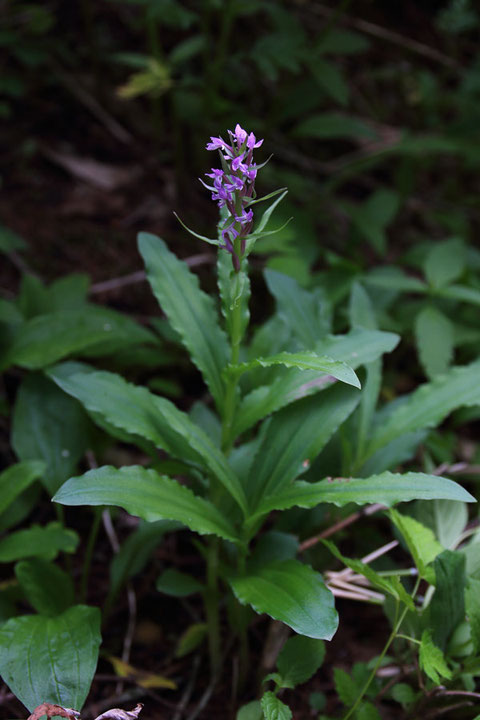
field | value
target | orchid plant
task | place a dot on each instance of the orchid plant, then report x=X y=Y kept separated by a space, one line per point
x=278 y=395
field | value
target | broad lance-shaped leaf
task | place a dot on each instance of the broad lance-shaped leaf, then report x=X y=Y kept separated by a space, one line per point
x=45 y=542
x=49 y=425
x=51 y=659
x=93 y=330
x=190 y=311
x=387 y=489
x=148 y=495
x=136 y=410
x=302 y=361
x=356 y=348
x=15 y=479
x=428 y=405
x=296 y=434
x=293 y=593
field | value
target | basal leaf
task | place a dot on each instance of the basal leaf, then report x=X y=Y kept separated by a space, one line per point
x=299 y=659
x=49 y=425
x=387 y=489
x=45 y=542
x=92 y=330
x=138 y=411
x=47 y=588
x=293 y=593
x=190 y=311
x=148 y=495
x=434 y=335
x=428 y=405
x=51 y=659
x=15 y=479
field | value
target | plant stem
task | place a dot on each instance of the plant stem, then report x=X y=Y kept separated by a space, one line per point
x=92 y=538
x=211 y=607
x=232 y=382
x=396 y=627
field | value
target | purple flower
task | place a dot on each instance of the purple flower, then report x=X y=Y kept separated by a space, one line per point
x=234 y=188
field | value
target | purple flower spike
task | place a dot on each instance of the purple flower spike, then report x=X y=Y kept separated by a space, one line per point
x=234 y=188
x=216 y=144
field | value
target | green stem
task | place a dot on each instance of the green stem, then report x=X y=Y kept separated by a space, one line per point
x=211 y=607
x=232 y=382
x=92 y=539
x=396 y=627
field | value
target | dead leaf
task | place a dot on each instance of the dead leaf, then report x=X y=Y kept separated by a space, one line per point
x=98 y=174
x=118 y=714
x=140 y=677
x=51 y=710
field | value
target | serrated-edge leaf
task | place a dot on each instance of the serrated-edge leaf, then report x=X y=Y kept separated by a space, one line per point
x=387 y=488
x=273 y=708
x=420 y=540
x=148 y=495
x=307 y=360
x=429 y=404
x=190 y=311
x=136 y=410
x=432 y=660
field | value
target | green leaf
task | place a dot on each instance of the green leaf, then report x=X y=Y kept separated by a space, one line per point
x=447 y=608
x=250 y=711
x=148 y=495
x=51 y=659
x=345 y=686
x=92 y=330
x=274 y=709
x=386 y=488
x=428 y=405
x=48 y=588
x=374 y=215
x=432 y=660
x=307 y=360
x=333 y=125
x=15 y=479
x=293 y=593
x=445 y=263
x=367 y=711
x=390 y=585
x=434 y=335
x=138 y=411
x=472 y=603
x=299 y=308
x=51 y=426
x=460 y=292
x=446 y=518
x=331 y=80
x=178 y=584
x=294 y=436
x=359 y=346
x=45 y=542
x=299 y=659
x=392 y=278
x=190 y=311
x=421 y=542
x=403 y=694
x=191 y=639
